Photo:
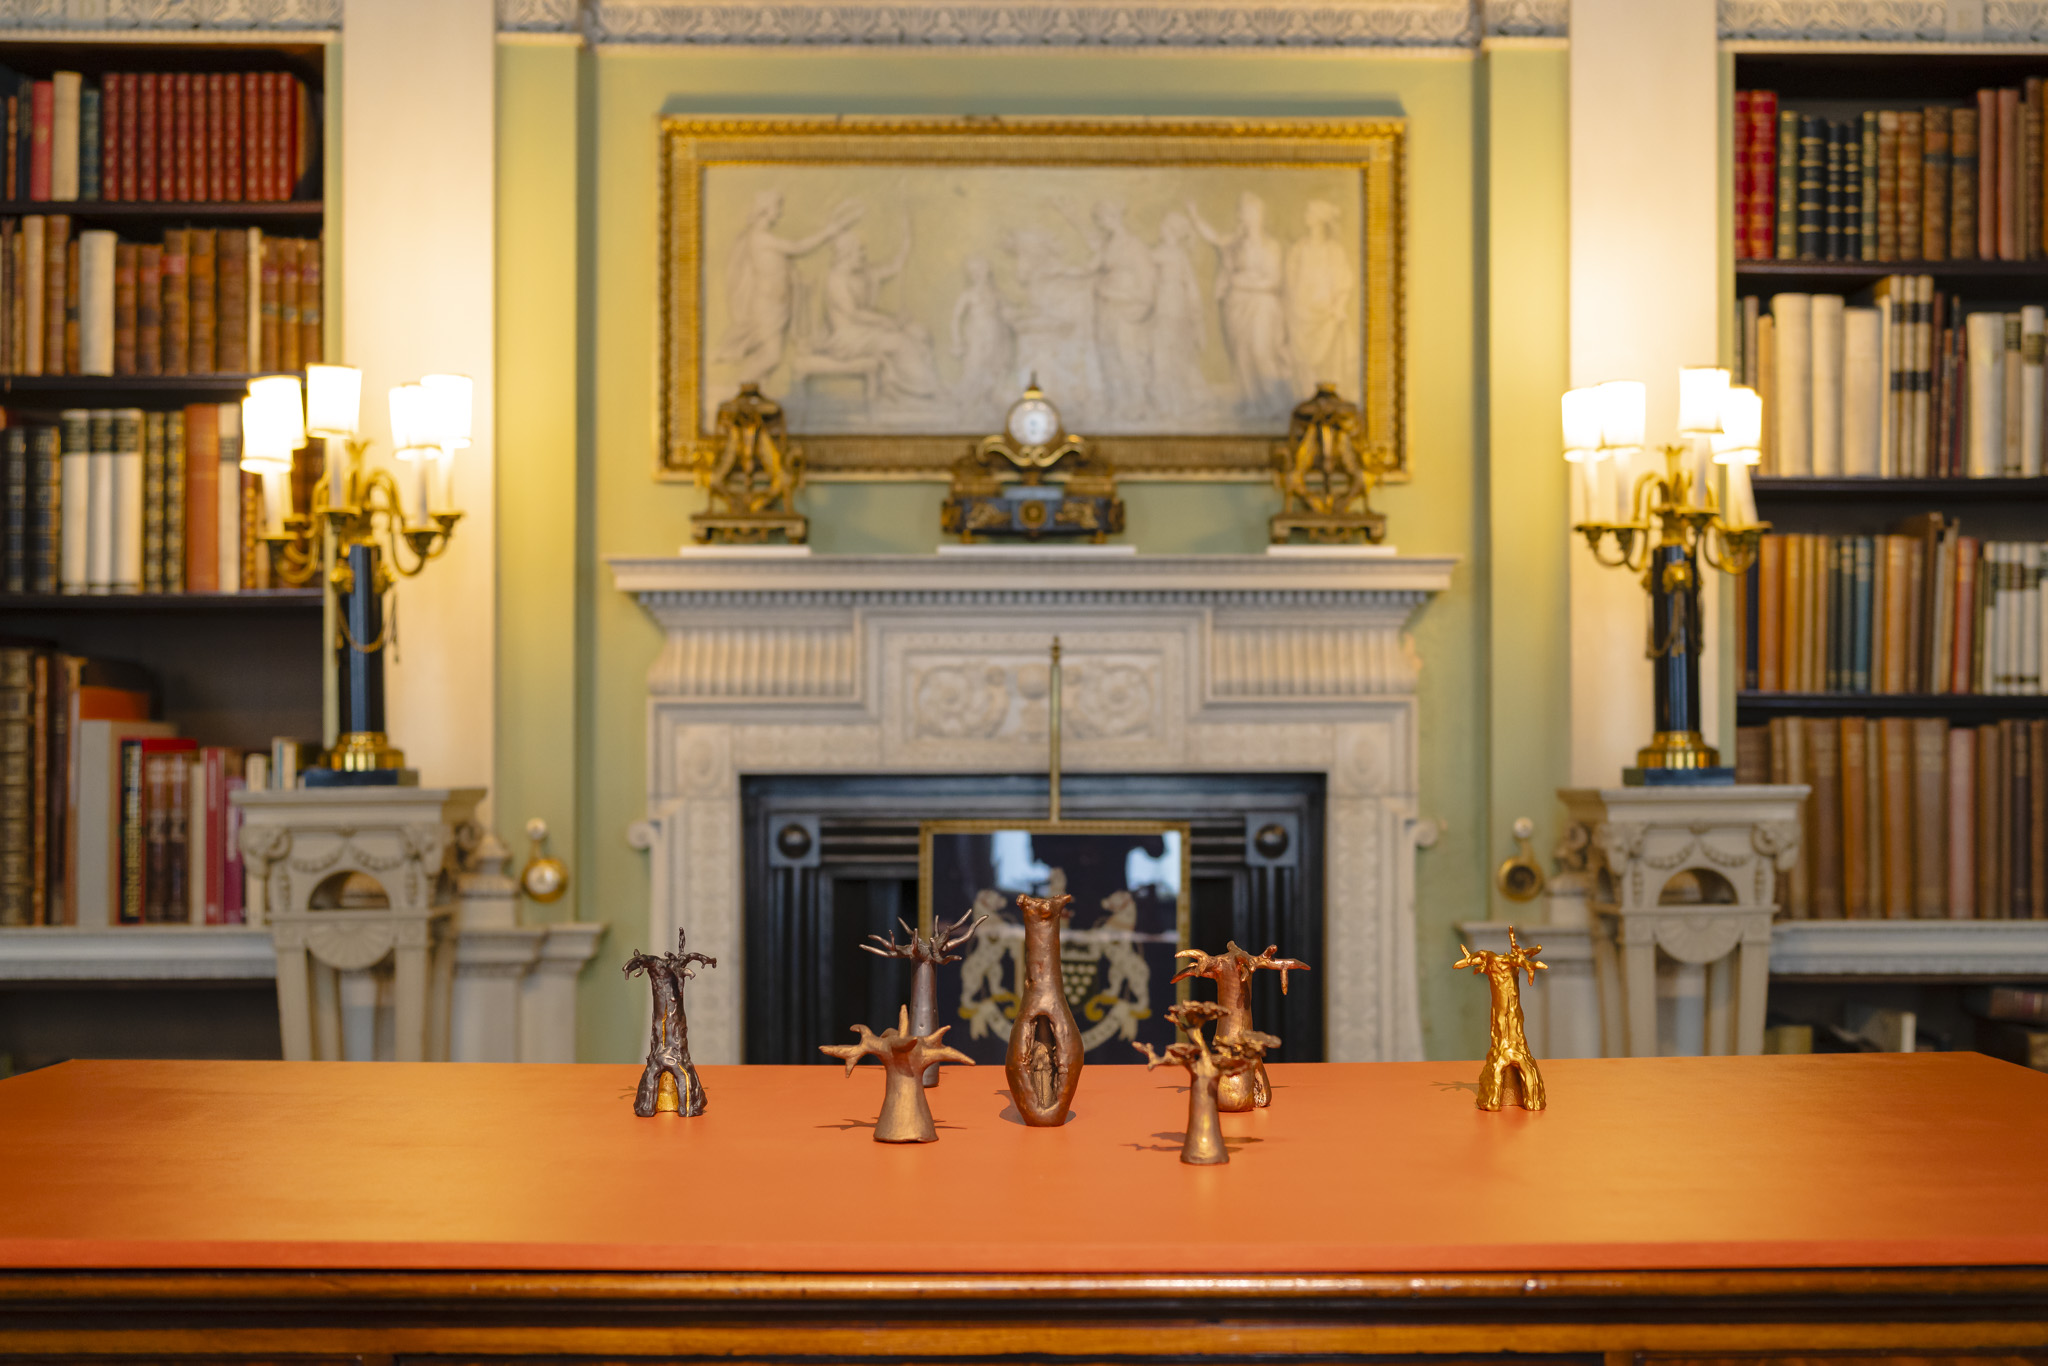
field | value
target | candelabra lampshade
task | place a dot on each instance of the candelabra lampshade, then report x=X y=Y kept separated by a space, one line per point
x=450 y=400
x=1740 y=440
x=334 y=399
x=273 y=422
x=1624 y=413
x=1701 y=389
x=412 y=423
x=1582 y=425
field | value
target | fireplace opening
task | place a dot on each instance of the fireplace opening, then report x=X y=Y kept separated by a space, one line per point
x=832 y=859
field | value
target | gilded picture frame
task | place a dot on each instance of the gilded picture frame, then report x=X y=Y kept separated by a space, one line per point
x=1118 y=949
x=889 y=280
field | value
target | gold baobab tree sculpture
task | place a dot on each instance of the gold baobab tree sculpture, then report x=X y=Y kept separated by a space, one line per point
x=1510 y=1071
x=1232 y=970
x=1208 y=1065
x=905 y=1118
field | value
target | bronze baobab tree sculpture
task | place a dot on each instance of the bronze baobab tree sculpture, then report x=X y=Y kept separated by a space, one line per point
x=1510 y=1071
x=1044 y=1061
x=1208 y=1066
x=669 y=1085
x=905 y=1117
x=1232 y=970
x=928 y=952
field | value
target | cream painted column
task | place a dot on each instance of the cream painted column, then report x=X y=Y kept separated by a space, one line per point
x=1645 y=138
x=419 y=152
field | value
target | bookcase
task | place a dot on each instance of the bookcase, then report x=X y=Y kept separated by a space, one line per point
x=231 y=668
x=1886 y=936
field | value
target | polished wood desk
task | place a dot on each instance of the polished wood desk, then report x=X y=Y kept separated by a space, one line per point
x=1680 y=1210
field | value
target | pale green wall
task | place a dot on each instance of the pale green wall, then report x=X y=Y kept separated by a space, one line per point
x=591 y=493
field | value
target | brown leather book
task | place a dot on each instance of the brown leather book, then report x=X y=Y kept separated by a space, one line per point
x=1930 y=816
x=131 y=143
x=231 y=326
x=1770 y=611
x=204 y=356
x=266 y=138
x=216 y=137
x=125 y=254
x=181 y=136
x=1895 y=757
x=1897 y=583
x=309 y=302
x=148 y=102
x=231 y=136
x=1962 y=182
x=177 y=302
x=1990 y=794
x=1873 y=814
x=268 y=355
x=149 y=309
x=2020 y=818
x=71 y=281
x=252 y=132
x=1855 y=818
x=1962 y=824
x=1767 y=388
x=2030 y=169
x=2009 y=175
x=202 y=498
x=1824 y=813
x=56 y=268
x=288 y=336
x=1912 y=154
x=2037 y=809
x=166 y=136
x=255 y=564
x=1752 y=754
x=1934 y=167
x=1963 y=656
x=1799 y=600
x=1789 y=736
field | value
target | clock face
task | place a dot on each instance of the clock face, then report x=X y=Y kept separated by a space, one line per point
x=1034 y=422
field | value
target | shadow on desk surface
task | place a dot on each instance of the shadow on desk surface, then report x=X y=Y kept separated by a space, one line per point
x=1639 y=1164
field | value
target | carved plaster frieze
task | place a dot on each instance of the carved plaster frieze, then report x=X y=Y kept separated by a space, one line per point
x=1038 y=23
x=170 y=14
x=1879 y=21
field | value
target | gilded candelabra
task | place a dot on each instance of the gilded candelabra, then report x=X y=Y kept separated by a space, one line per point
x=1666 y=522
x=365 y=512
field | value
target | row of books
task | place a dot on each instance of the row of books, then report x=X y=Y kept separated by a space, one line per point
x=1910 y=817
x=118 y=500
x=2012 y=1023
x=1927 y=610
x=106 y=816
x=1907 y=386
x=1938 y=183
x=171 y=136
x=203 y=301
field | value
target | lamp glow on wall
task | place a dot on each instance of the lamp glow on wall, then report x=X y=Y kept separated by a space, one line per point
x=1661 y=524
x=366 y=512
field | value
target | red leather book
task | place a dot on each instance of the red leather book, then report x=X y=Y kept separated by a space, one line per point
x=149 y=309
x=216 y=137
x=166 y=136
x=177 y=302
x=231 y=137
x=285 y=138
x=146 y=137
x=266 y=138
x=181 y=138
x=1745 y=177
x=110 y=136
x=125 y=134
x=126 y=260
x=309 y=302
x=251 y=136
x=42 y=117
x=202 y=498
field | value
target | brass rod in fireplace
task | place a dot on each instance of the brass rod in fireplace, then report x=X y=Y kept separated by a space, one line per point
x=1053 y=724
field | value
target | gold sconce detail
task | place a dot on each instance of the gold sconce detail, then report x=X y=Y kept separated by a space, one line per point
x=1325 y=471
x=752 y=474
x=1521 y=877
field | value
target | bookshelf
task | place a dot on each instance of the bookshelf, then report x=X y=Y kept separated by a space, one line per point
x=1922 y=964
x=233 y=669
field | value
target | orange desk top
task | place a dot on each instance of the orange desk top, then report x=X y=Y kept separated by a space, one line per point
x=1865 y=1160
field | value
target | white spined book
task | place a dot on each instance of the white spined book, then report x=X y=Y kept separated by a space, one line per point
x=96 y=302
x=1984 y=338
x=1863 y=391
x=128 y=510
x=1827 y=385
x=2033 y=347
x=100 y=543
x=64 y=90
x=1793 y=314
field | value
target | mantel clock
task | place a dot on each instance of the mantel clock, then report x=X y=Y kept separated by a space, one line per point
x=1033 y=479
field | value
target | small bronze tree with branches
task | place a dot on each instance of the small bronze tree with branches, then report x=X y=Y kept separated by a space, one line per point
x=906 y=1117
x=928 y=952
x=669 y=1085
x=1208 y=1065
x=1232 y=970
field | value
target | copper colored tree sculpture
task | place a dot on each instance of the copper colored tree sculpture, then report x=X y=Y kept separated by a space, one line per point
x=669 y=1085
x=1232 y=969
x=1044 y=1061
x=1209 y=1065
x=906 y=1117
x=1510 y=1071
x=928 y=952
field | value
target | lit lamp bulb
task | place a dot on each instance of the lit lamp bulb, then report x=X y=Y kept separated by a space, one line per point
x=450 y=402
x=412 y=437
x=273 y=426
x=1582 y=446
x=1624 y=413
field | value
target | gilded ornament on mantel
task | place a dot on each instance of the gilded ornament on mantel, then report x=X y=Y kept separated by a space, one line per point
x=752 y=473
x=1326 y=470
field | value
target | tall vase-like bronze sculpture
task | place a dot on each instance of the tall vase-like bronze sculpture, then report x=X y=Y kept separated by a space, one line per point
x=1044 y=1061
x=1232 y=969
x=906 y=1116
x=669 y=1084
x=928 y=952
x=1209 y=1066
x=1510 y=1072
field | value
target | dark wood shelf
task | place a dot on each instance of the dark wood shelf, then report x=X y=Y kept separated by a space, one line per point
x=100 y=391
x=1758 y=276
x=166 y=212
x=1894 y=80
x=1771 y=488
x=293 y=600
x=1755 y=708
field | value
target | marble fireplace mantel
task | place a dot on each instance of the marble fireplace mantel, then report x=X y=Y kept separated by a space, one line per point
x=936 y=664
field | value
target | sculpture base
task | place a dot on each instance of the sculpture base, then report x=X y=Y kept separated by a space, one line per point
x=1678 y=777
x=360 y=777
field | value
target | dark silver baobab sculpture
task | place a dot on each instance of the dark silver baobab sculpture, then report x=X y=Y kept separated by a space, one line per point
x=906 y=1117
x=669 y=1085
x=928 y=952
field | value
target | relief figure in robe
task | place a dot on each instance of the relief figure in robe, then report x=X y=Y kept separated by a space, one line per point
x=1250 y=271
x=983 y=343
x=1179 y=331
x=1321 y=331
x=1125 y=279
x=761 y=285
x=857 y=329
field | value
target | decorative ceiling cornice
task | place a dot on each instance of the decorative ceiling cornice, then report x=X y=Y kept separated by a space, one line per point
x=1885 y=21
x=171 y=15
